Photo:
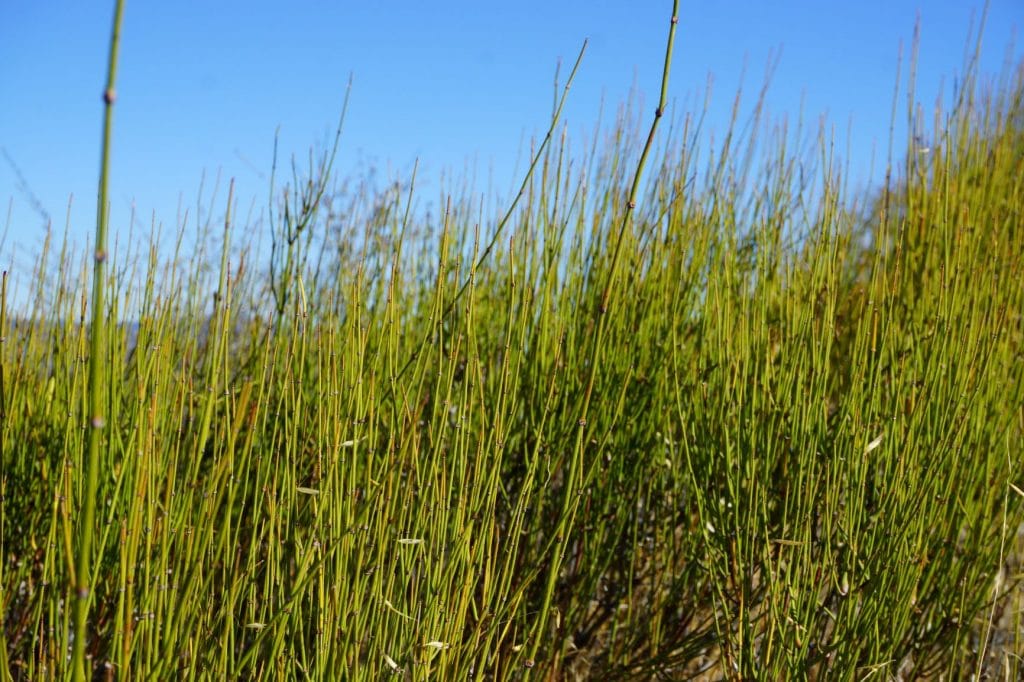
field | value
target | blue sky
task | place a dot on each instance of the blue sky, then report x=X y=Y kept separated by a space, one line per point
x=204 y=85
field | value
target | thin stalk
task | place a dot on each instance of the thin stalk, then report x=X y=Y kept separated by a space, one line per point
x=512 y=206
x=97 y=420
x=570 y=499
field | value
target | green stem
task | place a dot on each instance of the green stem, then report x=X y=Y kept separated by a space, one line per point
x=571 y=499
x=97 y=420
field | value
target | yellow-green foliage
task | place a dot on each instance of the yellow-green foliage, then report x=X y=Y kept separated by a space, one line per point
x=721 y=436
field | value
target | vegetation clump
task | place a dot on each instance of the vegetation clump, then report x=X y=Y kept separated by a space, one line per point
x=716 y=421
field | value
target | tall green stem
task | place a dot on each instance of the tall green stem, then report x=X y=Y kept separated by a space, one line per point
x=571 y=499
x=97 y=418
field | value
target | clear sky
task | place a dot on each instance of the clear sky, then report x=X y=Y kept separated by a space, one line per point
x=204 y=85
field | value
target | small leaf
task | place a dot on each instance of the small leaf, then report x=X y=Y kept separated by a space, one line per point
x=874 y=444
x=410 y=541
x=392 y=608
